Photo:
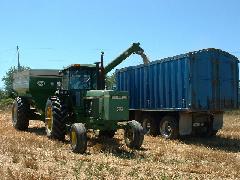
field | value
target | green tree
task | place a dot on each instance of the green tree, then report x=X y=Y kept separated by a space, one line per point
x=8 y=79
x=2 y=94
x=111 y=81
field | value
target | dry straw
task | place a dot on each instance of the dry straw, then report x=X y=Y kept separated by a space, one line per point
x=31 y=155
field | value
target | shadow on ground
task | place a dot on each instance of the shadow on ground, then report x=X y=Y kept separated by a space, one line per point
x=101 y=144
x=217 y=142
x=115 y=148
x=38 y=131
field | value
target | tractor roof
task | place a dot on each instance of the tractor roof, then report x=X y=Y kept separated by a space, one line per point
x=76 y=66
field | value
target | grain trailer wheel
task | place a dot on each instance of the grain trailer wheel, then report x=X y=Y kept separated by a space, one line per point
x=78 y=138
x=54 y=119
x=20 y=109
x=169 y=127
x=134 y=134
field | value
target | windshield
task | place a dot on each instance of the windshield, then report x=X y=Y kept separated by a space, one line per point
x=82 y=79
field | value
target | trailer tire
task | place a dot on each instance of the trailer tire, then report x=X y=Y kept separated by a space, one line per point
x=78 y=138
x=20 y=110
x=150 y=125
x=54 y=119
x=169 y=127
x=134 y=134
x=107 y=133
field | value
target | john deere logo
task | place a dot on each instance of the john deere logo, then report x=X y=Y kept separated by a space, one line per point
x=41 y=83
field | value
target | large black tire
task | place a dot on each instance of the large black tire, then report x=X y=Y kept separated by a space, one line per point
x=55 y=119
x=169 y=127
x=134 y=134
x=107 y=133
x=78 y=138
x=20 y=110
x=150 y=125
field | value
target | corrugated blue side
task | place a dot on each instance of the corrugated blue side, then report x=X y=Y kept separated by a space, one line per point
x=205 y=80
x=214 y=80
x=167 y=84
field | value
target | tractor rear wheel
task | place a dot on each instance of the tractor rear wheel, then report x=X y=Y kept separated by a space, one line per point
x=134 y=135
x=78 y=138
x=169 y=127
x=54 y=119
x=20 y=110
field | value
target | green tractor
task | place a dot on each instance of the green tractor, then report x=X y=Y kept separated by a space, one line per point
x=81 y=103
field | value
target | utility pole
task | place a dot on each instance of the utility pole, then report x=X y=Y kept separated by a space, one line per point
x=18 y=58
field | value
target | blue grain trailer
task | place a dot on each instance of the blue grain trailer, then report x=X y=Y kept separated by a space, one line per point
x=184 y=94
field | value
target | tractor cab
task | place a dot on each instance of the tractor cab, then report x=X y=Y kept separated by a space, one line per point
x=77 y=80
x=79 y=77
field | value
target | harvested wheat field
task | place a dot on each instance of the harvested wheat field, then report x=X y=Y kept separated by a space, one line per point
x=31 y=155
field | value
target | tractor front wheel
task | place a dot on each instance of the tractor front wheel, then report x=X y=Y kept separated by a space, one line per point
x=78 y=138
x=134 y=135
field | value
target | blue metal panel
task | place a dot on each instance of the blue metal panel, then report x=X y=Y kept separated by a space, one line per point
x=215 y=81
x=136 y=100
x=205 y=80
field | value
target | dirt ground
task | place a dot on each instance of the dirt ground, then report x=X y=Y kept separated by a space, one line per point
x=31 y=155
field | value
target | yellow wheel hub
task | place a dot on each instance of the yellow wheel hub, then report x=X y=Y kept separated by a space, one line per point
x=49 y=118
x=73 y=138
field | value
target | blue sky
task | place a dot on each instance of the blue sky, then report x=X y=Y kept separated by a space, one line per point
x=56 y=33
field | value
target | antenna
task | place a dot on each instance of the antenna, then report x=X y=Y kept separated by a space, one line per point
x=18 y=58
